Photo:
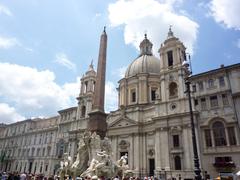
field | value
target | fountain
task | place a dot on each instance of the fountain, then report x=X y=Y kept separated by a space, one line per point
x=98 y=154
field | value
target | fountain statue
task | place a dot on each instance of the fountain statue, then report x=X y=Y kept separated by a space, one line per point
x=65 y=165
x=94 y=158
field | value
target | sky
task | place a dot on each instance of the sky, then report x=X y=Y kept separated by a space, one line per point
x=46 y=46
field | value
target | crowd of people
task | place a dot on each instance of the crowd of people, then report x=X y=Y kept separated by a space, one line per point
x=23 y=176
x=26 y=176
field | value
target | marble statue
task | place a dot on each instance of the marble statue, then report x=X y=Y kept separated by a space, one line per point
x=65 y=166
x=81 y=162
x=94 y=158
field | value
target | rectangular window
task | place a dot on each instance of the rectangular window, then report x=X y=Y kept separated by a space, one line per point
x=203 y=104
x=48 y=151
x=43 y=152
x=194 y=88
x=153 y=94
x=33 y=151
x=210 y=83
x=221 y=81
x=46 y=137
x=40 y=139
x=225 y=99
x=51 y=136
x=46 y=167
x=35 y=139
x=231 y=136
x=133 y=95
x=213 y=101
x=170 y=58
x=38 y=151
x=195 y=102
x=208 y=138
x=176 y=141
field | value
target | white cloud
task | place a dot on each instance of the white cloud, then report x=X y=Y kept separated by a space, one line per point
x=238 y=43
x=72 y=89
x=98 y=14
x=154 y=17
x=8 y=114
x=6 y=43
x=62 y=59
x=226 y=12
x=111 y=96
x=120 y=72
x=10 y=42
x=5 y=10
x=34 y=92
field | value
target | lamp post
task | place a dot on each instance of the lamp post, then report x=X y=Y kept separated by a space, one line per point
x=197 y=170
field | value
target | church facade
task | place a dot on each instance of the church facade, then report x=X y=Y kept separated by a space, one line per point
x=151 y=124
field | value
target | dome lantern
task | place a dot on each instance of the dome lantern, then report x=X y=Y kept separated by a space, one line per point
x=146 y=47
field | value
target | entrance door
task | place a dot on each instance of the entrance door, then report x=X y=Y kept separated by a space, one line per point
x=151 y=167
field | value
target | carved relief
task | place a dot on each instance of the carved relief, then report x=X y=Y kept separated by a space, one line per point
x=151 y=152
x=124 y=144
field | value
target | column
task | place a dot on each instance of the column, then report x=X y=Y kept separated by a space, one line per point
x=136 y=153
x=187 y=149
x=236 y=135
x=227 y=138
x=212 y=138
x=165 y=149
x=158 y=150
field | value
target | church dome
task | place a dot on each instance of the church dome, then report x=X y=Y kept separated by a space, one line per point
x=145 y=63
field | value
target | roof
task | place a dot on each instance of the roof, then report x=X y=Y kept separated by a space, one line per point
x=216 y=70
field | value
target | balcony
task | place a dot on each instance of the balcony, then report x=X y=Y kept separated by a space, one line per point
x=224 y=164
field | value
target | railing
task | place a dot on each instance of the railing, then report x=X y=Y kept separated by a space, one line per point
x=224 y=164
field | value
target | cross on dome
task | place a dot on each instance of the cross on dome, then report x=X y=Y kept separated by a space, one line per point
x=170 y=33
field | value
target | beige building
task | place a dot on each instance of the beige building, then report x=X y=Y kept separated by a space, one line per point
x=151 y=124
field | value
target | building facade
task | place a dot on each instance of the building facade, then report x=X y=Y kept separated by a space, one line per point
x=151 y=124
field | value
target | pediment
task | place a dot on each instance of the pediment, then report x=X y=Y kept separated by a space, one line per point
x=122 y=122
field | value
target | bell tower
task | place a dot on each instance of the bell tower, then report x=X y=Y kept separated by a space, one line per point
x=172 y=56
x=172 y=52
x=87 y=89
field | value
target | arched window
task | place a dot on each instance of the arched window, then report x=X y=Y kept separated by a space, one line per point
x=170 y=58
x=86 y=87
x=173 y=91
x=177 y=162
x=153 y=93
x=94 y=86
x=133 y=96
x=83 y=111
x=219 y=134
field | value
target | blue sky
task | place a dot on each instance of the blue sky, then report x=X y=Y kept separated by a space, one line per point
x=46 y=46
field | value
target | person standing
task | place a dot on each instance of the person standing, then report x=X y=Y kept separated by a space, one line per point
x=23 y=176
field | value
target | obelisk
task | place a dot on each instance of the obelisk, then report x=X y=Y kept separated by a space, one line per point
x=97 y=117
